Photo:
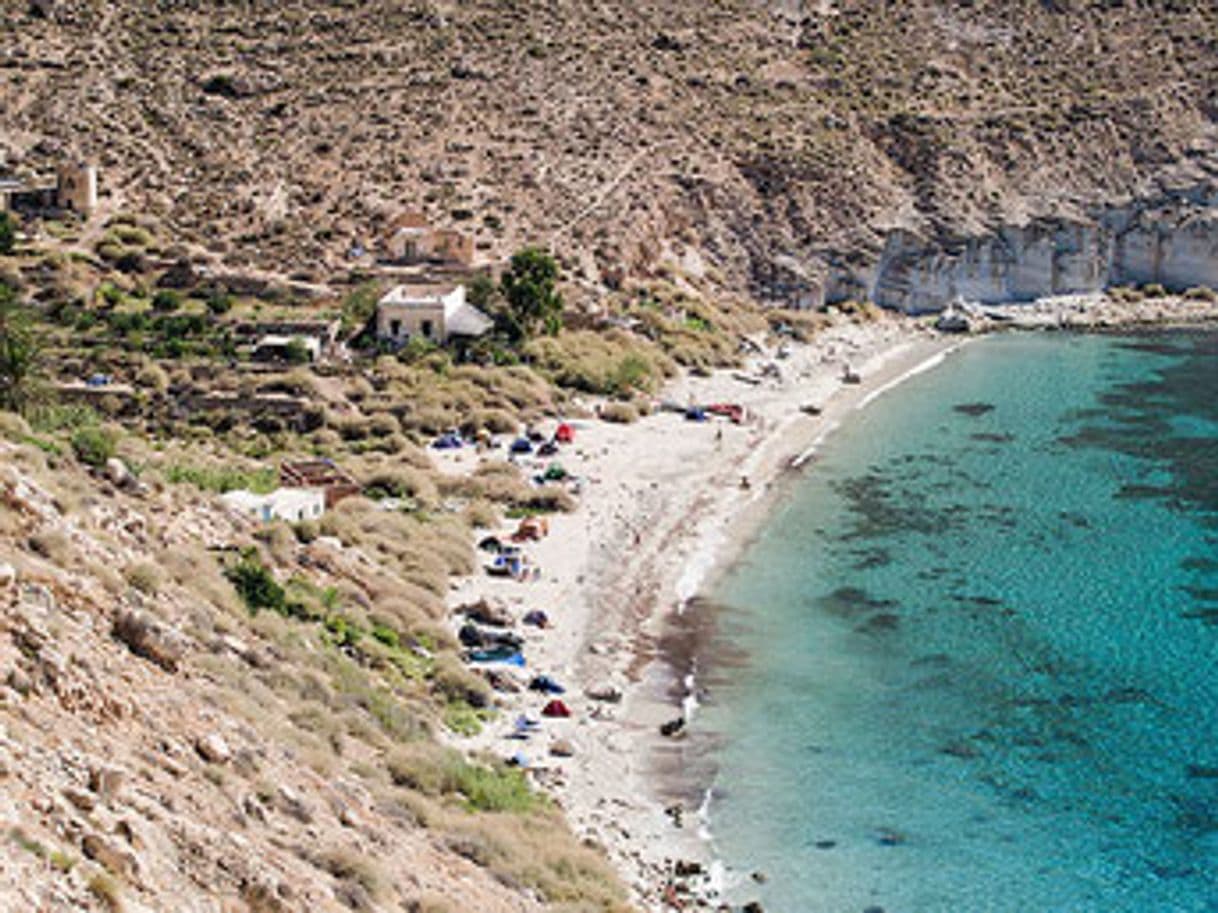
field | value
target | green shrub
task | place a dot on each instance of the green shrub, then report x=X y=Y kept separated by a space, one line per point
x=166 y=301
x=8 y=234
x=93 y=446
x=256 y=585
x=219 y=303
x=223 y=478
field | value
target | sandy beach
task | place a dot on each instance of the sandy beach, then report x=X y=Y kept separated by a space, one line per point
x=662 y=506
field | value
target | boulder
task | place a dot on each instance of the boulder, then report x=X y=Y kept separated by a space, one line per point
x=213 y=749
x=605 y=693
x=672 y=727
x=150 y=639
x=117 y=472
x=561 y=748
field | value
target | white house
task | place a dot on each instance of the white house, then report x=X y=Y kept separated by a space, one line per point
x=291 y=504
x=433 y=312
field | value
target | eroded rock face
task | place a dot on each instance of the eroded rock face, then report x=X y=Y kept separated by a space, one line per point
x=1173 y=242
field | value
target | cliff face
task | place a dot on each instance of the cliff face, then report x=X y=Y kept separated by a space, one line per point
x=1170 y=241
x=772 y=140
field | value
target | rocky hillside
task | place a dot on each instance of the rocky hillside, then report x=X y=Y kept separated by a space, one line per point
x=171 y=731
x=753 y=142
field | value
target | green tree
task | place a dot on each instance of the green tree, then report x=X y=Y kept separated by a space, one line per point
x=8 y=234
x=20 y=352
x=533 y=304
x=482 y=293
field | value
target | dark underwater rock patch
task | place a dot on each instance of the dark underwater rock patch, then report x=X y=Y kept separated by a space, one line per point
x=881 y=623
x=973 y=409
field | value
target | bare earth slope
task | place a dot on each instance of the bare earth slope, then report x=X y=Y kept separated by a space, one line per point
x=771 y=138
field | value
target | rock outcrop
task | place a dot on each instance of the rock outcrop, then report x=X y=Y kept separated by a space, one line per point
x=1171 y=241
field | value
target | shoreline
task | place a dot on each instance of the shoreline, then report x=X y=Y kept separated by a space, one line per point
x=661 y=518
x=662 y=515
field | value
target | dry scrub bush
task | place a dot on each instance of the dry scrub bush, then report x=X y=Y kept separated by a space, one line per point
x=298 y=382
x=13 y=426
x=496 y=421
x=382 y=424
x=404 y=482
x=415 y=456
x=53 y=545
x=145 y=577
x=280 y=541
x=454 y=681
x=480 y=514
x=403 y=614
x=495 y=480
x=803 y=325
x=421 y=766
x=621 y=413
x=422 y=551
x=548 y=498
x=194 y=568
x=152 y=376
x=110 y=579
x=350 y=865
x=614 y=363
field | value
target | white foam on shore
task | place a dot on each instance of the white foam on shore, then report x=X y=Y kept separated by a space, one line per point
x=933 y=362
x=814 y=447
x=696 y=568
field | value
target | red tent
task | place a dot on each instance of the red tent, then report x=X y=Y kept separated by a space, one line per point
x=565 y=434
x=556 y=708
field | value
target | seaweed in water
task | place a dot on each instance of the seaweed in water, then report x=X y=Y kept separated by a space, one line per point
x=852 y=602
x=883 y=509
x=1139 y=422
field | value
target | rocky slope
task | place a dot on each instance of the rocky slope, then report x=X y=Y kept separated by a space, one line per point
x=159 y=744
x=759 y=142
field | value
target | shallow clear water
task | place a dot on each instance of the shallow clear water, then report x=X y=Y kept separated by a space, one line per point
x=981 y=638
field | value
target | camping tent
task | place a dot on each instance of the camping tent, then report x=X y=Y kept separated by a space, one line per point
x=565 y=434
x=556 y=708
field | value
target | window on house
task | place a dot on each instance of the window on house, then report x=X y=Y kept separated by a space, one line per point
x=395 y=328
x=427 y=328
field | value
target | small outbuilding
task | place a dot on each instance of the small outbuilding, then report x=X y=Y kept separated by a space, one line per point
x=290 y=504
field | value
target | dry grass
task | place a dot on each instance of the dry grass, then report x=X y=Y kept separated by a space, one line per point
x=53 y=545
x=537 y=850
x=196 y=570
x=348 y=864
x=145 y=577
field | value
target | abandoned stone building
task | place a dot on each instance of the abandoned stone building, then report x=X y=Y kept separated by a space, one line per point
x=72 y=189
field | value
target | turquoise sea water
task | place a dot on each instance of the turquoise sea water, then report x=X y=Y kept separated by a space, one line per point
x=979 y=644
